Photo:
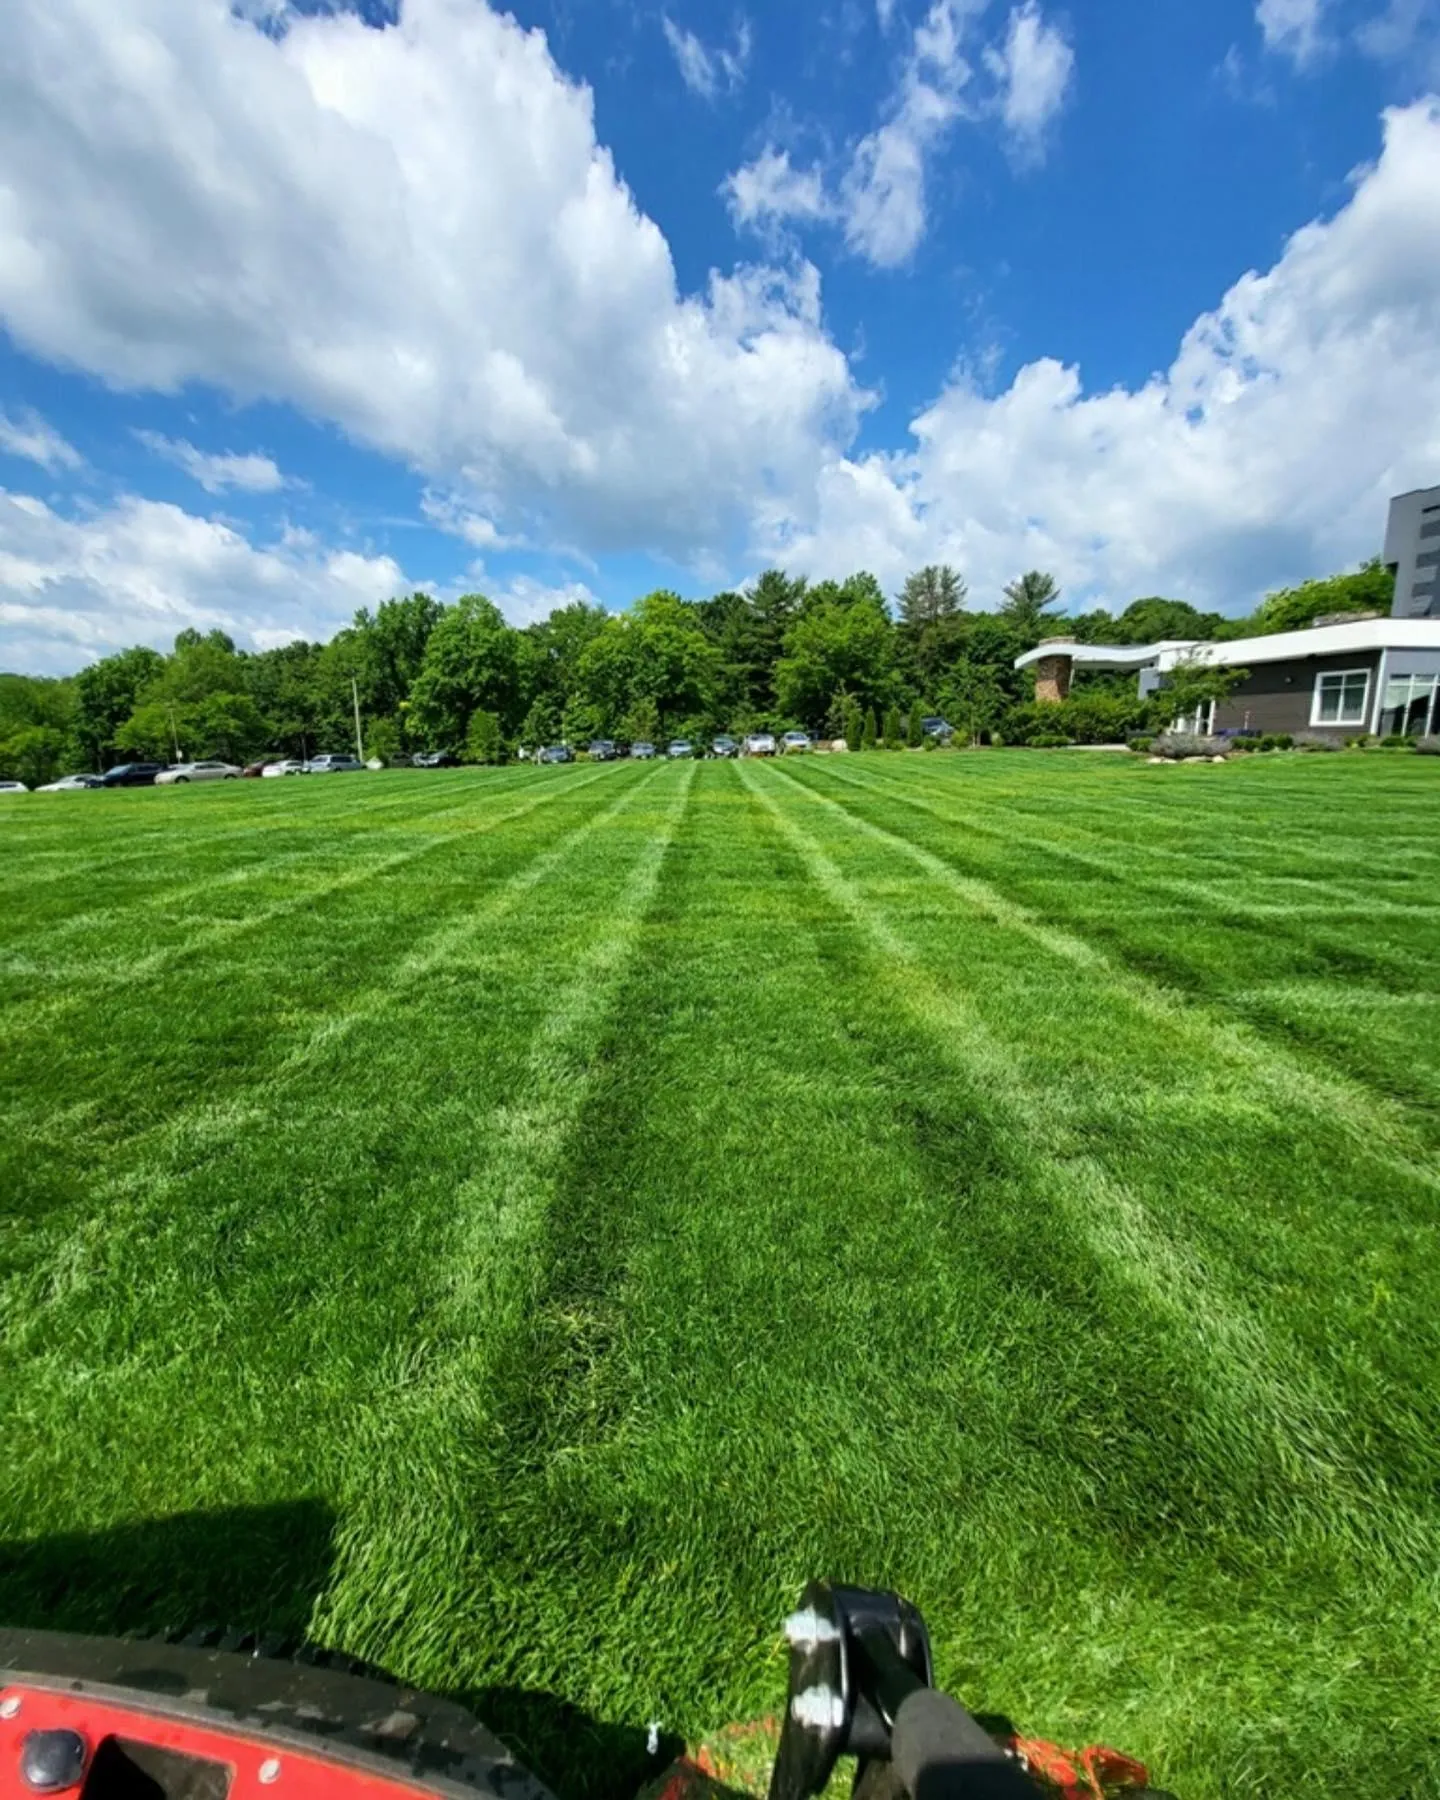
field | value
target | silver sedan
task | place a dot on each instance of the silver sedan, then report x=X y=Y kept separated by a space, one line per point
x=196 y=771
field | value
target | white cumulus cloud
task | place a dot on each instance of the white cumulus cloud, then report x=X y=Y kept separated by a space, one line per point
x=451 y=513
x=1294 y=28
x=26 y=434
x=705 y=71
x=411 y=233
x=249 y=473
x=525 y=601
x=883 y=190
x=1265 y=452
x=1034 y=69
x=140 y=571
x=880 y=195
x=771 y=190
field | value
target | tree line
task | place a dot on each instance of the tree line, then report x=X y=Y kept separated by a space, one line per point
x=833 y=658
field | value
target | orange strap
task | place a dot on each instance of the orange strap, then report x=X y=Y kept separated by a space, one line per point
x=1080 y=1774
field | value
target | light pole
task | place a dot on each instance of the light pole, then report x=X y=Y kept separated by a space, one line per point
x=359 y=746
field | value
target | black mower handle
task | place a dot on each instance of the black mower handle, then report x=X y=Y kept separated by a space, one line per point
x=939 y=1752
x=861 y=1684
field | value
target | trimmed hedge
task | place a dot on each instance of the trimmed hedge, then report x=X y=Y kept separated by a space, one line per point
x=1179 y=744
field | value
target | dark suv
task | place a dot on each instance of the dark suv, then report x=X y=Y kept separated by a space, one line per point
x=133 y=774
x=603 y=750
x=556 y=753
x=724 y=746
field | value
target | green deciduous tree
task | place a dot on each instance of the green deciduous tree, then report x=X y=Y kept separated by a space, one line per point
x=1371 y=588
x=894 y=730
x=915 y=728
x=106 y=693
x=229 y=726
x=1151 y=620
x=541 y=724
x=641 y=723
x=974 y=699
x=33 y=754
x=483 y=742
x=1190 y=687
x=838 y=642
x=471 y=663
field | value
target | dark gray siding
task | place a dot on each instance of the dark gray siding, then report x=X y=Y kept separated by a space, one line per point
x=1278 y=696
x=1413 y=553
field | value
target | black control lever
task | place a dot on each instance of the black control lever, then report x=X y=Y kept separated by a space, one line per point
x=862 y=1684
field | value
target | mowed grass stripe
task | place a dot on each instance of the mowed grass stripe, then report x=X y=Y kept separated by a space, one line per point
x=808 y=1305
x=230 y=1352
x=1072 y=836
x=131 y=1060
x=1304 y=1430
x=203 y=1126
x=216 y=814
x=1199 y=954
x=1274 y=1206
x=853 y=1232
x=243 y=852
x=106 y=972
x=1372 y=1118
x=392 y=1553
x=122 y=1077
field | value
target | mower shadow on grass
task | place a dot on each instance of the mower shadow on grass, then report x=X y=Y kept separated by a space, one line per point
x=258 y=1571
x=576 y=1755
x=254 y=1569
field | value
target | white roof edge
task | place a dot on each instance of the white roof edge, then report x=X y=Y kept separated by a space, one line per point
x=1109 y=656
x=1355 y=635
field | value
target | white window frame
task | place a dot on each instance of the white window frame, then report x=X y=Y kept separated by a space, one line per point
x=1430 y=679
x=1324 y=675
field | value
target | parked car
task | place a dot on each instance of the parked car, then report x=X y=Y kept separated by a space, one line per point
x=13 y=787
x=680 y=747
x=434 y=759
x=937 y=727
x=254 y=770
x=136 y=774
x=70 y=784
x=724 y=746
x=180 y=773
x=556 y=753
x=603 y=750
x=792 y=742
x=759 y=743
x=333 y=765
x=643 y=752
x=289 y=765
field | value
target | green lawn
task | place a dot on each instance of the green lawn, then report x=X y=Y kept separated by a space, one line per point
x=518 y=1226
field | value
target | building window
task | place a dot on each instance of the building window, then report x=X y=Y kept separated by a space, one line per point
x=1341 y=697
x=1409 y=708
x=1201 y=722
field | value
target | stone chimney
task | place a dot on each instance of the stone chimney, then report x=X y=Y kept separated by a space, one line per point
x=1052 y=674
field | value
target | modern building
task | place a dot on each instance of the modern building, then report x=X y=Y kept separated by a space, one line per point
x=1345 y=674
x=1412 y=553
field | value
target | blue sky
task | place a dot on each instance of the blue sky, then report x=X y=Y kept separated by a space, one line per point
x=300 y=306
